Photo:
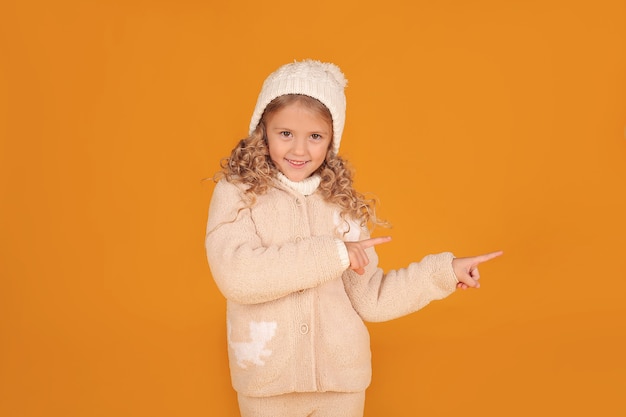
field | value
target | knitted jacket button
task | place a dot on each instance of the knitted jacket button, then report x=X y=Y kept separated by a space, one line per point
x=304 y=328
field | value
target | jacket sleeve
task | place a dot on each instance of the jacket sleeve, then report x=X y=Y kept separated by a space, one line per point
x=246 y=271
x=379 y=296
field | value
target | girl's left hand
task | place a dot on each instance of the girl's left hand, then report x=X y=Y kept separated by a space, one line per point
x=466 y=269
x=357 y=255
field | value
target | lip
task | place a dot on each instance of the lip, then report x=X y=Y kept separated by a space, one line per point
x=296 y=164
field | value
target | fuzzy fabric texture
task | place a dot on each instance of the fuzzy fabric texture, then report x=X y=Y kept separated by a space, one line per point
x=306 y=187
x=295 y=312
x=321 y=404
x=323 y=81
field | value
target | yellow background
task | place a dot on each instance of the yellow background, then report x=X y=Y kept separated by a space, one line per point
x=480 y=125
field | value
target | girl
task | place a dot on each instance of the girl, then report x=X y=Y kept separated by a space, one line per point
x=289 y=247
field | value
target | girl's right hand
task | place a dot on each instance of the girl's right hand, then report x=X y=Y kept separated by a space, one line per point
x=466 y=269
x=357 y=255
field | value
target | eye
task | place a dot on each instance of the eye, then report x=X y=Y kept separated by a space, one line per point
x=285 y=134
x=316 y=136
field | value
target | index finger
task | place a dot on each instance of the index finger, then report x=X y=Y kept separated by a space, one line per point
x=488 y=256
x=368 y=243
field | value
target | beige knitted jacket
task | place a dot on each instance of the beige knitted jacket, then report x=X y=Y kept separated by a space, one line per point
x=294 y=311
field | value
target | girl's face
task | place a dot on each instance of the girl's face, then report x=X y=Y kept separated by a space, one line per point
x=298 y=139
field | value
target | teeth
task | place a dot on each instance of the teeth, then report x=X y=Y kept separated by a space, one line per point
x=296 y=162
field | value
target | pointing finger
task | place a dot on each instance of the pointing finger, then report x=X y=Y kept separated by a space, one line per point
x=488 y=256
x=368 y=243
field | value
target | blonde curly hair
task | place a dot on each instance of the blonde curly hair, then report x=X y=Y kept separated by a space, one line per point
x=249 y=163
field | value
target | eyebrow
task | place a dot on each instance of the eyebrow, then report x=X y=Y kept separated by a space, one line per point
x=323 y=131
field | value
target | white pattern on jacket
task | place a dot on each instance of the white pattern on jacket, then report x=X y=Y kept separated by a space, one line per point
x=278 y=262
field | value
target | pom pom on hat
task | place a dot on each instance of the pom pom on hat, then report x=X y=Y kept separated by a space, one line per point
x=323 y=81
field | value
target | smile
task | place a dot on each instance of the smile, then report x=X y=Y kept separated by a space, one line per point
x=296 y=163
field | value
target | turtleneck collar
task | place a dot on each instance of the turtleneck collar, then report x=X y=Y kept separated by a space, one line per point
x=305 y=187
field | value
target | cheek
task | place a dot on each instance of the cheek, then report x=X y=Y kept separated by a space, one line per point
x=319 y=157
x=321 y=152
x=274 y=149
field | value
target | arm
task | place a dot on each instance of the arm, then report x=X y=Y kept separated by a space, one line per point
x=247 y=271
x=379 y=296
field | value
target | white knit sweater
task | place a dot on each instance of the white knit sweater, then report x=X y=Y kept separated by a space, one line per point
x=294 y=311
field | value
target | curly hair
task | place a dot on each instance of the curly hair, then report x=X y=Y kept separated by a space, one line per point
x=250 y=164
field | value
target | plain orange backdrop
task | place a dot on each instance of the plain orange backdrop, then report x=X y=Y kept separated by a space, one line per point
x=479 y=125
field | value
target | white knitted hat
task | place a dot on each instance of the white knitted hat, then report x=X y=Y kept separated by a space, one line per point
x=320 y=80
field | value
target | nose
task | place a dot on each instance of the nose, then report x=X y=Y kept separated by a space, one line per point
x=299 y=146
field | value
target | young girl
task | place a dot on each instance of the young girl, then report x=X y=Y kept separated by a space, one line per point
x=289 y=247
